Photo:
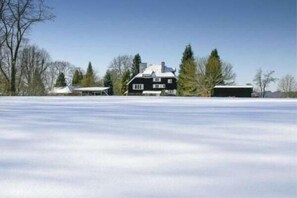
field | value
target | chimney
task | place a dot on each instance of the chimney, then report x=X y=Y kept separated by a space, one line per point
x=142 y=67
x=162 y=67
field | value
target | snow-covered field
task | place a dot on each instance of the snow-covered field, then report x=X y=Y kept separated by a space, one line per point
x=138 y=147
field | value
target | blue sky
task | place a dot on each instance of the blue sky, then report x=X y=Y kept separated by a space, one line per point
x=248 y=33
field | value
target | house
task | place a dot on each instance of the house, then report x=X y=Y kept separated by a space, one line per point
x=232 y=91
x=153 y=80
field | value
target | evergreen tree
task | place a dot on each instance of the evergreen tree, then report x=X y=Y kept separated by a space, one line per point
x=61 y=82
x=108 y=81
x=213 y=70
x=76 y=80
x=135 y=65
x=89 y=79
x=188 y=54
x=187 y=81
x=125 y=79
x=186 y=63
x=81 y=76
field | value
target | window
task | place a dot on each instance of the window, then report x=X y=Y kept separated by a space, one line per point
x=169 y=81
x=156 y=79
x=137 y=87
x=171 y=92
x=159 y=86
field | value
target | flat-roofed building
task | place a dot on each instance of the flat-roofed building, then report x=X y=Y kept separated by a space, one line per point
x=232 y=91
x=79 y=91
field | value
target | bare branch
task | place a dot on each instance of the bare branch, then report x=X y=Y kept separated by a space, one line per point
x=263 y=81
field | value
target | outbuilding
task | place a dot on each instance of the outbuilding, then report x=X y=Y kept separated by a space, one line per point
x=232 y=91
x=92 y=91
x=79 y=91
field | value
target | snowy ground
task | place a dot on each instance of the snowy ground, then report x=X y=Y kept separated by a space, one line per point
x=147 y=147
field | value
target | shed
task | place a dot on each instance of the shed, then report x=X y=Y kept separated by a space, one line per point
x=232 y=91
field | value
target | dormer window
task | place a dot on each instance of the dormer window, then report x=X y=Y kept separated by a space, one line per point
x=147 y=74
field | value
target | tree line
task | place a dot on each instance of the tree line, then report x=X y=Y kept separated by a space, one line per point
x=198 y=76
x=28 y=70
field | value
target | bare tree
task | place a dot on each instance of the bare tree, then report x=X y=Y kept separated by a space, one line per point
x=1 y=6
x=57 y=67
x=3 y=76
x=17 y=17
x=4 y=69
x=206 y=83
x=117 y=67
x=263 y=80
x=288 y=85
x=2 y=32
x=121 y=64
x=34 y=62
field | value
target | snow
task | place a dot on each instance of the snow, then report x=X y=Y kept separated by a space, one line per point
x=152 y=92
x=233 y=86
x=91 y=89
x=155 y=71
x=158 y=69
x=155 y=75
x=62 y=90
x=147 y=147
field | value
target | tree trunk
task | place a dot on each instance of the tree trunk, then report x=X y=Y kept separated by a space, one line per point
x=12 y=80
